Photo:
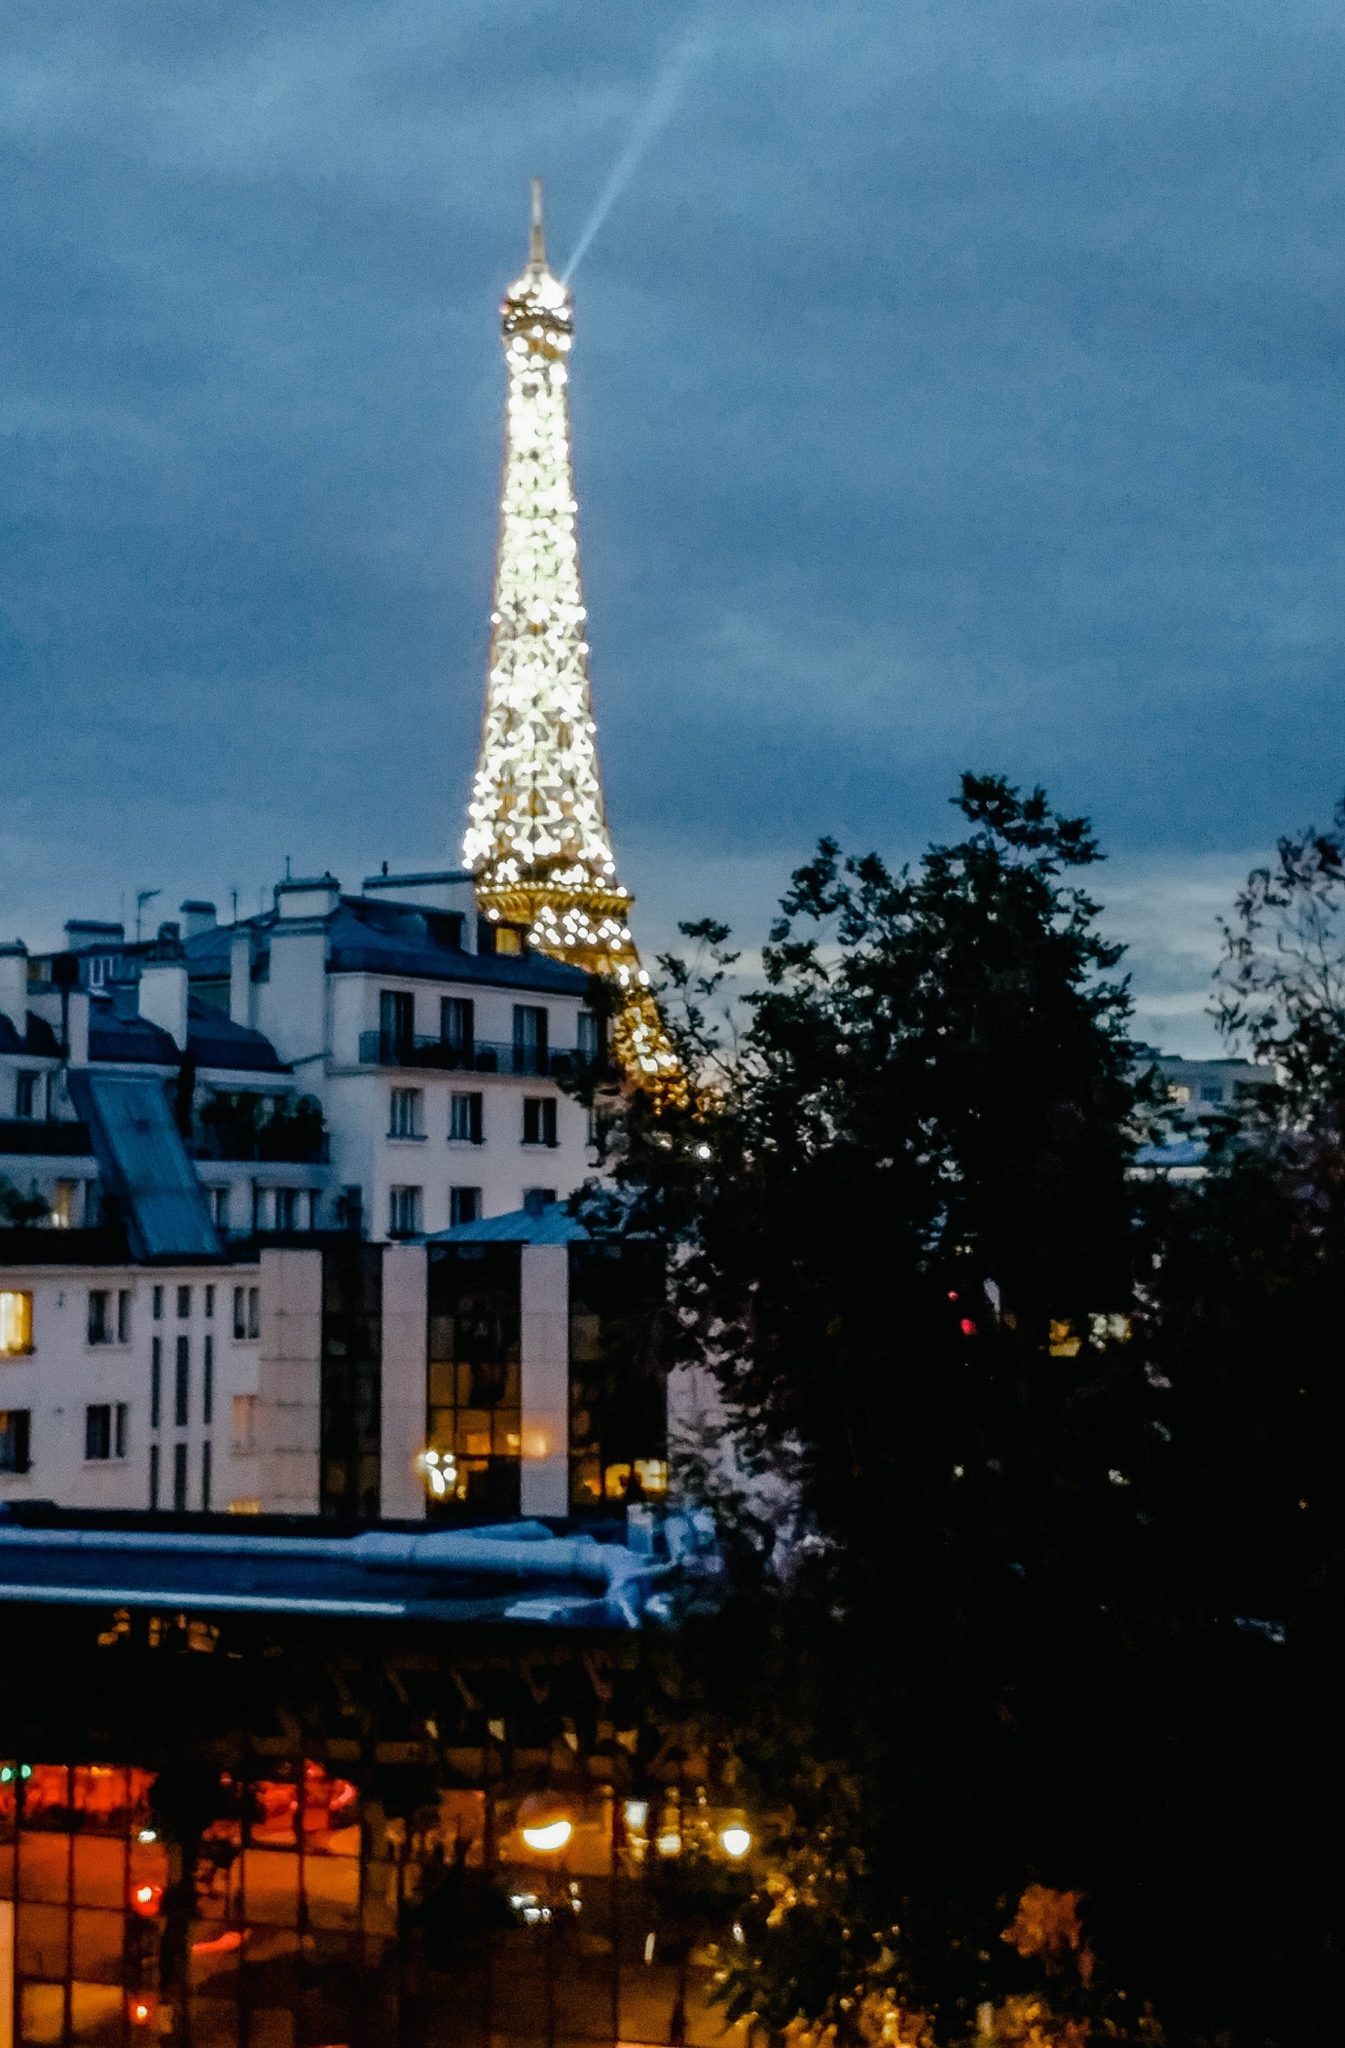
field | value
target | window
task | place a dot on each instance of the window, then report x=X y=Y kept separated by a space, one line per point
x=537 y=1199
x=63 y=1204
x=1211 y=1091
x=109 y=1315
x=207 y=1381
x=154 y=1476
x=205 y=1477
x=244 y=1424
x=219 y=1208
x=405 y=1109
x=16 y=1323
x=539 y=1120
x=530 y=1039
x=105 y=1431
x=403 y=1211
x=457 y=1025
x=156 y=1305
x=396 y=1023
x=209 y=1302
x=15 y=1440
x=288 y=1208
x=1179 y=1093
x=464 y=1205
x=155 y=1381
x=183 y=1303
x=245 y=1507
x=590 y=1035
x=247 y=1313
x=182 y=1382
x=464 y=1119
x=508 y=939
x=25 y=1094
x=179 y=1476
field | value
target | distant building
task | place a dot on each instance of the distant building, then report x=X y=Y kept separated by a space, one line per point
x=388 y=1063
x=1196 y=1095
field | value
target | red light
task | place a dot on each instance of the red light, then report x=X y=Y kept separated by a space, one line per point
x=967 y=1327
x=952 y=1294
x=145 y=1899
x=221 y=1944
x=140 y=2011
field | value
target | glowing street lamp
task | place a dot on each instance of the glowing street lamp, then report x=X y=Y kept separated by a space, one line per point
x=544 y=1824
x=735 y=1840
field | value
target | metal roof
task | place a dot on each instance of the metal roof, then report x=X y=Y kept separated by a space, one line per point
x=552 y=1224
x=518 y=1572
x=145 y=1165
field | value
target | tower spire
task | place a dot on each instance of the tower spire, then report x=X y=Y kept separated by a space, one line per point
x=537 y=239
x=537 y=838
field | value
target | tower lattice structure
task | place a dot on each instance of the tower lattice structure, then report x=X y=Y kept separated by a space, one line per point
x=537 y=839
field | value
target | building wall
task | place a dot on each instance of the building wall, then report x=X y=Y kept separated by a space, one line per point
x=65 y=1374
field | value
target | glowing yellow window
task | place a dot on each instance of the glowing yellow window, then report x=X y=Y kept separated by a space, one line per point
x=16 y=1323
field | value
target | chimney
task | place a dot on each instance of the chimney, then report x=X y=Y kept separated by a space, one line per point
x=77 y=1027
x=197 y=917
x=163 y=986
x=313 y=896
x=14 y=984
x=240 y=975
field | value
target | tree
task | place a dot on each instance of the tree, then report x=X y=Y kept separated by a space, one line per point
x=904 y=1235
x=21 y=1212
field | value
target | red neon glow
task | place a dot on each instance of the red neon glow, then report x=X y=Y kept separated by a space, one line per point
x=221 y=1944
x=145 y=1899
x=967 y=1327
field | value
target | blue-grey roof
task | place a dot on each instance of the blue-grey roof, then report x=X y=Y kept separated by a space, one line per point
x=370 y=937
x=519 y=1573
x=144 y=1165
x=214 y=1040
x=116 y=1035
x=550 y=1225
x=38 y=1036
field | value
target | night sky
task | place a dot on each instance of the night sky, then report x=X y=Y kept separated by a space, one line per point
x=956 y=385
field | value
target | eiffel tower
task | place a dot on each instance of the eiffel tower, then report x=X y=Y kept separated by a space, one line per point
x=537 y=840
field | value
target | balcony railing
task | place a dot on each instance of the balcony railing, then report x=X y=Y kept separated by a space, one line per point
x=46 y=1136
x=381 y=1049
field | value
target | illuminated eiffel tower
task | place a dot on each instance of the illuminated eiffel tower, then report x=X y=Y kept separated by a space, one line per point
x=537 y=840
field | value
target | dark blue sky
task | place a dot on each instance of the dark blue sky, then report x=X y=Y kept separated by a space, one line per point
x=958 y=383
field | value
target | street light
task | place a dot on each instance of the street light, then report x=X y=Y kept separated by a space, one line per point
x=544 y=1824
x=735 y=1840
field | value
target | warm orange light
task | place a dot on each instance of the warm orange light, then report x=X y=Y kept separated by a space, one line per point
x=544 y=1824
x=736 y=1840
x=16 y=1323
x=548 y=1839
x=145 y=1899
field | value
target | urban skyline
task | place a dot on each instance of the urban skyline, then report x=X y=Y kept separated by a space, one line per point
x=952 y=444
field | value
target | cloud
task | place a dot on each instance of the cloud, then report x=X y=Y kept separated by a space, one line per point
x=954 y=386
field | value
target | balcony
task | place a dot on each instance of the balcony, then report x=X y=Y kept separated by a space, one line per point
x=47 y=1137
x=378 y=1049
x=233 y=1128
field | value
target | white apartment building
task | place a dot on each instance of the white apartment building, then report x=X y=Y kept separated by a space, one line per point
x=387 y=1063
x=507 y=1368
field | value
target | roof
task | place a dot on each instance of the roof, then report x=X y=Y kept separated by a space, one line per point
x=552 y=1224
x=375 y=937
x=144 y=1164
x=512 y=1573
x=214 y=1040
x=115 y=1035
x=38 y=1036
x=1176 y=1152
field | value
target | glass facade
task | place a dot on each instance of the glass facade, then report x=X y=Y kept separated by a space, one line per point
x=474 y=1391
x=618 y=1390
x=283 y=1909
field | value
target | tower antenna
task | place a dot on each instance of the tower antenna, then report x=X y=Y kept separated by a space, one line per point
x=537 y=239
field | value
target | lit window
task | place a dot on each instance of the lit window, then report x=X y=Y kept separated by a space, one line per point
x=1065 y=1341
x=404 y=1113
x=1179 y=1093
x=245 y=1507
x=244 y=1424
x=63 y=1204
x=16 y=1323
x=539 y=1120
x=508 y=940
